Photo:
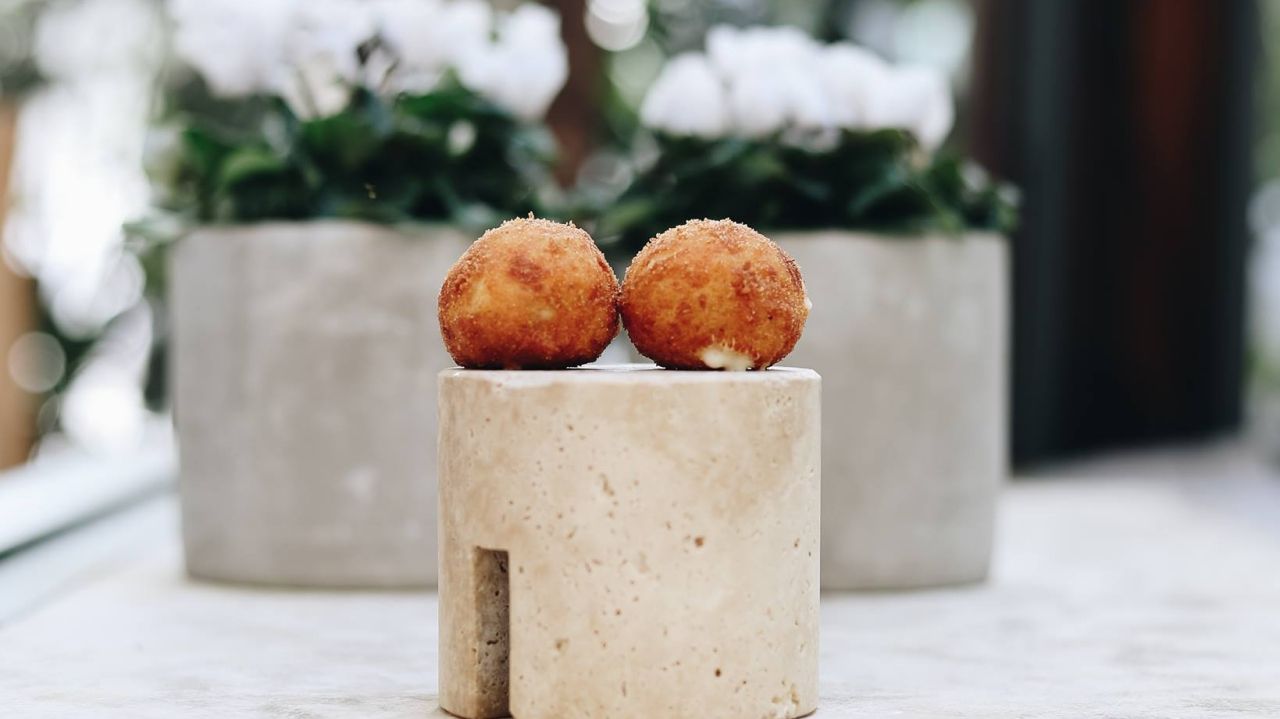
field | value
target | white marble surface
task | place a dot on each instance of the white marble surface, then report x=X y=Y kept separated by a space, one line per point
x=1145 y=587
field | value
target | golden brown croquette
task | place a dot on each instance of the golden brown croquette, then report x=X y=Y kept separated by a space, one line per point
x=713 y=294
x=531 y=294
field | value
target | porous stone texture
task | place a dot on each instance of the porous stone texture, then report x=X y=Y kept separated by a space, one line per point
x=304 y=366
x=1124 y=587
x=910 y=336
x=655 y=533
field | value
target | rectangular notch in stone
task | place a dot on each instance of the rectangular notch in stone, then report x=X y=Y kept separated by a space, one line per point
x=493 y=635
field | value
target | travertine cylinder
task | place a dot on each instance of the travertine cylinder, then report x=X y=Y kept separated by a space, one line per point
x=628 y=542
x=304 y=366
x=910 y=333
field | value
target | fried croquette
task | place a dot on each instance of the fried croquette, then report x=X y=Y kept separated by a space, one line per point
x=713 y=294
x=530 y=294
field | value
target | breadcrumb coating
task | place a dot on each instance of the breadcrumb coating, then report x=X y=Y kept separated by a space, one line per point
x=713 y=294
x=530 y=294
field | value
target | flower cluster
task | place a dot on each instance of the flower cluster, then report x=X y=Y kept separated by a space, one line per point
x=315 y=53
x=755 y=82
x=776 y=130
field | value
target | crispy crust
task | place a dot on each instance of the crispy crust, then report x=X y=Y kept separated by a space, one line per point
x=713 y=285
x=530 y=294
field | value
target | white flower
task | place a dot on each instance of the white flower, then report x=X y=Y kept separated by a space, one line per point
x=334 y=29
x=468 y=25
x=322 y=61
x=525 y=67
x=305 y=52
x=772 y=77
x=917 y=99
x=314 y=88
x=235 y=45
x=430 y=36
x=758 y=103
x=539 y=62
x=735 y=51
x=308 y=51
x=779 y=80
x=848 y=75
x=808 y=105
x=688 y=98
x=413 y=29
x=724 y=47
x=70 y=39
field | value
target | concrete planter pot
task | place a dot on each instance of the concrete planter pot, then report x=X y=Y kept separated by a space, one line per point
x=304 y=366
x=629 y=542
x=909 y=334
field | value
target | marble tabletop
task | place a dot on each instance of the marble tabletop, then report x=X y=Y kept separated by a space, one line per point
x=1143 y=586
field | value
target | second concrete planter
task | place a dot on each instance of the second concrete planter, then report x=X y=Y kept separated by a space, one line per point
x=304 y=366
x=909 y=334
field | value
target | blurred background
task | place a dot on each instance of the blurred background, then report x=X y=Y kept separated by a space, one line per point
x=1144 y=137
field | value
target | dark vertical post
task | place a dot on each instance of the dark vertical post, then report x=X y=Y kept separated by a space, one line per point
x=1127 y=124
x=17 y=317
x=574 y=116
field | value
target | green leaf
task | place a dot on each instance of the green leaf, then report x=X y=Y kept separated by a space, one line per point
x=246 y=163
x=625 y=214
x=203 y=151
x=341 y=143
x=877 y=180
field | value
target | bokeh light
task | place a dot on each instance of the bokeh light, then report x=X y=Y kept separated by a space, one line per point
x=617 y=24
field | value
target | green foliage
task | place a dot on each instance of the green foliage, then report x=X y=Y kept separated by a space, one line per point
x=446 y=155
x=19 y=74
x=449 y=155
x=876 y=180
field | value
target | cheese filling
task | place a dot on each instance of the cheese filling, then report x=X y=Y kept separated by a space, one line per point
x=718 y=357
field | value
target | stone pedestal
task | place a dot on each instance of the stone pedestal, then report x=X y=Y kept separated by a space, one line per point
x=628 y=542
x=909 y=334
x=304 y=365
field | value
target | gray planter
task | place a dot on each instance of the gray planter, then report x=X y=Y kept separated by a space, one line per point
x=304 y=366
x=909 y=335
